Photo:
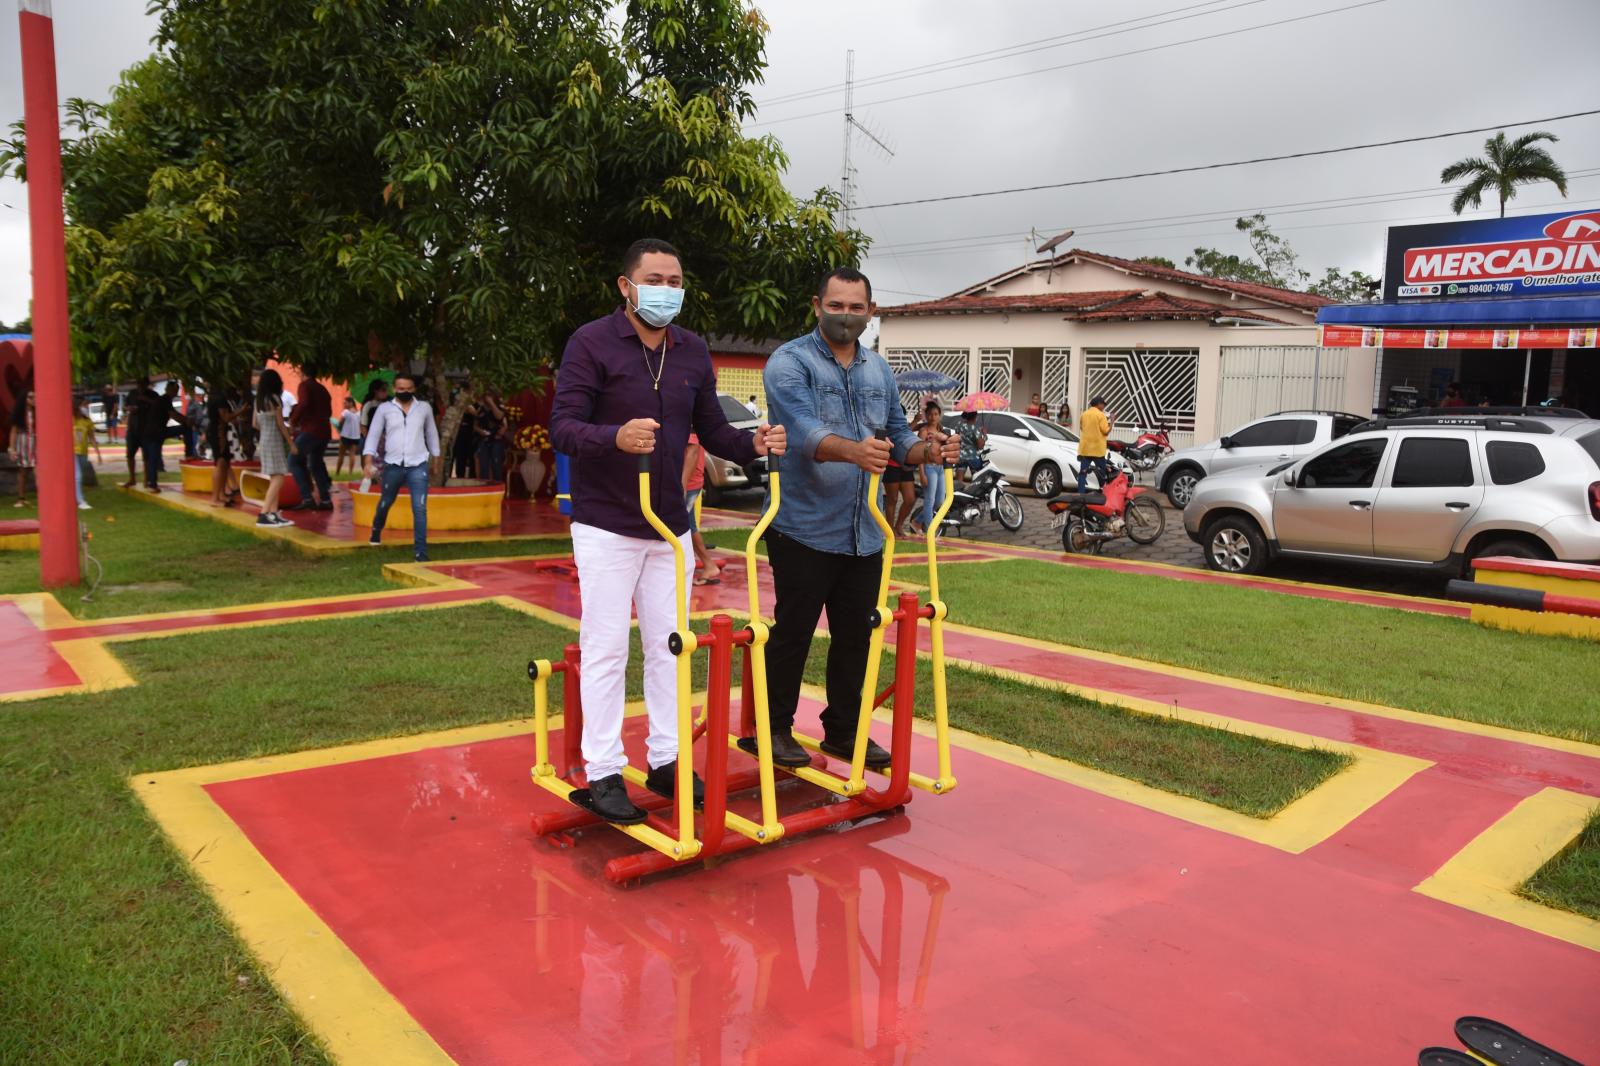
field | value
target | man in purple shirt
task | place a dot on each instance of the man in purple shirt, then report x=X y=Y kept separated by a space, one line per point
x=632 y=384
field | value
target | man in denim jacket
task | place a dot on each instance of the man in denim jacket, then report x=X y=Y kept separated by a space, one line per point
x=833 y=396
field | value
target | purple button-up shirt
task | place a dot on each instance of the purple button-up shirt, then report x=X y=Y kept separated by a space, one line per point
x=603 y=383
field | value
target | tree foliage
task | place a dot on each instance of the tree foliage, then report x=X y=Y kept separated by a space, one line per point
x=363 y=182
x=1275 y=263
x=1503 y=166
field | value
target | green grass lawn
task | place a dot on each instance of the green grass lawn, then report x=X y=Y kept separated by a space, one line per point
x=1444 y=666
x=110 y=953
x=1571 y=880
x=160 y=559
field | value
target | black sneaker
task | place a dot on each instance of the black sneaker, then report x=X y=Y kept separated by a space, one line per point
x=877 y=756
x=422 y=557
x=303 y=505
x=264 y=519
x=373 y=540
x=663 y=781
x=786 y=751
x=608 y=798
x=279 y=520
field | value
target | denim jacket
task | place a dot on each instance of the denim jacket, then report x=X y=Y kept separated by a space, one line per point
x=824 y=505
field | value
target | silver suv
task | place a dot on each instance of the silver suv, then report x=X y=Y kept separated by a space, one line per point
x=1264 y=442
x=1432 y=491
x=724 y=476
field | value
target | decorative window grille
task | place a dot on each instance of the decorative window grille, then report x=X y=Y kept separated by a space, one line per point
x=1143 y=387
x=994 y=371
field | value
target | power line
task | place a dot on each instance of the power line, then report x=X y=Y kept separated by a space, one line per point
x=1010 y=51
x=1094 y=229
x=1077 y=63
x=1235 y=163
x=1222 y=233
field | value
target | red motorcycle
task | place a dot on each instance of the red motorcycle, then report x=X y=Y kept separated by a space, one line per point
x=1087 y=520
x=1147 y=451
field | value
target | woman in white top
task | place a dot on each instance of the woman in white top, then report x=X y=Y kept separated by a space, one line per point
x=349 y=435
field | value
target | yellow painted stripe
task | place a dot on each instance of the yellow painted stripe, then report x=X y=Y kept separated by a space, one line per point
x=1435 y=721
x=1484 y=876
x=1312 y=818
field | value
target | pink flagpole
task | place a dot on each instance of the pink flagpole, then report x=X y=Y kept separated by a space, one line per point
x=52 y=357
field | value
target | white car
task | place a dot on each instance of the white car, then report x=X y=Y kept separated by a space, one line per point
x=1031 y=450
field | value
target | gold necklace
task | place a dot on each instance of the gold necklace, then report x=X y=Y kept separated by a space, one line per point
x=655 y=375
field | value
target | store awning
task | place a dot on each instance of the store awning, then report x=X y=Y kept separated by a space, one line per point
x=1571 y=310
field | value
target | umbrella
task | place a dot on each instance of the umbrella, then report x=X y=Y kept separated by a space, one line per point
x=982 y=401
x=922 y=379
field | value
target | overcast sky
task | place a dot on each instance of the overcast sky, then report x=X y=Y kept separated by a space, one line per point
x=1367 y=70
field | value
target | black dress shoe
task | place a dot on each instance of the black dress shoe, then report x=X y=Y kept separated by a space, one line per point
x=303 y=505
x=877 y=756
x=663 y=781
x=325 y=505
x=786 y=751
x=608 y=797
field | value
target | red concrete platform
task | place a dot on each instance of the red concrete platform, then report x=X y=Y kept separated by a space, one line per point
x=1020 y=919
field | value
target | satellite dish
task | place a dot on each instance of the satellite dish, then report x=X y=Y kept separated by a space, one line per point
x=1054 y=242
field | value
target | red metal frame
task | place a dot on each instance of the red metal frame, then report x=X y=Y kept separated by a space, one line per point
x=720 y=642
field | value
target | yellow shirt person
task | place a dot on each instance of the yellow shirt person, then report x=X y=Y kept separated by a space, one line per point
x=1093 y=429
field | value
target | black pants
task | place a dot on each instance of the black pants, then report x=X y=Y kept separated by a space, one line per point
x=806 y=582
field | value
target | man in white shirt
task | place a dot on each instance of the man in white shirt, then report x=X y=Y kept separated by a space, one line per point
x=405 y=431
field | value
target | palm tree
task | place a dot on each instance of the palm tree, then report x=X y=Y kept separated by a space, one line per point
x=1506 y=165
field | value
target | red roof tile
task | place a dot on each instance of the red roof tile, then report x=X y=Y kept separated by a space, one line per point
x=1160 y=305
x=1304 y=301
x=1101 y=306
x=1045 y=301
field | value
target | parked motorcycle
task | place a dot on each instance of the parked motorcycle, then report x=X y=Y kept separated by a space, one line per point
x=1146 y=452
x=986 y=496
x=1088 y=520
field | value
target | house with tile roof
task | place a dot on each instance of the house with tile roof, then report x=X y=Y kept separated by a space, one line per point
x=1199 y=355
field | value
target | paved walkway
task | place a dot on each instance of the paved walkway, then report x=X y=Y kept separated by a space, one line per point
x=394 y=892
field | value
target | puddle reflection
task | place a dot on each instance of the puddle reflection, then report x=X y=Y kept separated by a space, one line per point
x=838 y=947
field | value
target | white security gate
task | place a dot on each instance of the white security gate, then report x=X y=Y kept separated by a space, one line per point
x=1145 y=388
x=994 y=371
x=1056 y=377
x=951 y=362
x=1257 y=381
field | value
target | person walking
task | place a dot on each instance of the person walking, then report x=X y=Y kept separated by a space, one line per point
x=83 y=437
x=349 y=436
x=274 y=442
x=633 y=384
x=24 y=443
x=1093 y=430
x=312 y=421
x=405 y=431
x=154 y=413
x=825 y=549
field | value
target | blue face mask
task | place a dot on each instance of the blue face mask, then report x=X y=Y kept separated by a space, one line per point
x=657 y=305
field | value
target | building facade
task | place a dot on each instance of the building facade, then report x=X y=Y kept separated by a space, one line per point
x=1507 y=309
x=1165 y=347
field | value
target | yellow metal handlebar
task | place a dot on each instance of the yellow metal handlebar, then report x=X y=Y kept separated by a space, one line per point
x=881 y=620
x=941 y=710
x=757 y=651
x=687 y=846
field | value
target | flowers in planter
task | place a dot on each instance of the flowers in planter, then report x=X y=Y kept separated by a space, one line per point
x=533 y=438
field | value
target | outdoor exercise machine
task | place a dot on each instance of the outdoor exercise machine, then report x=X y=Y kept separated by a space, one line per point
x=721 y=831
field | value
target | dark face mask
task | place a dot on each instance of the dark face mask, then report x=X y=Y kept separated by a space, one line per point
x=404 y=397
x=843 y=329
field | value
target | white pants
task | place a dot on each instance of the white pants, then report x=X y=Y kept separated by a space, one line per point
x=617 y=575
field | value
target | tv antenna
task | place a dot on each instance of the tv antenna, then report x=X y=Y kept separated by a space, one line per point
x=847 y=185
